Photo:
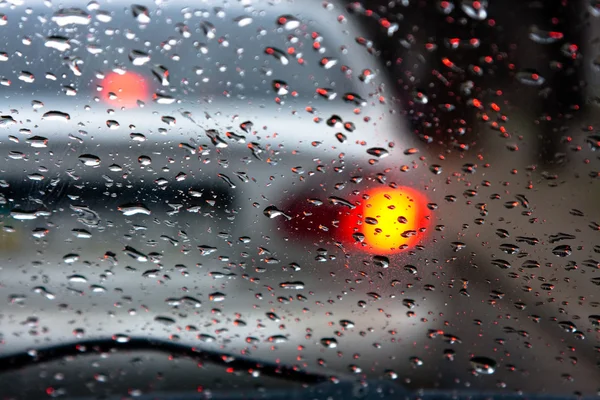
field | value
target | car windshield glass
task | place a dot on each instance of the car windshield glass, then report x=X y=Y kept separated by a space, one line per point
x=254 y=197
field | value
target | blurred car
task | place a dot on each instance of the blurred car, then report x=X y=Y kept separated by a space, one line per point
x=154 y=157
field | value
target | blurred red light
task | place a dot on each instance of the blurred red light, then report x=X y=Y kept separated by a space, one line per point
x=124 y=90
x=387 y=221
x=384 y=221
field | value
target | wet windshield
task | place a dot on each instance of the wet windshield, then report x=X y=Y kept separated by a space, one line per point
x=240 y=196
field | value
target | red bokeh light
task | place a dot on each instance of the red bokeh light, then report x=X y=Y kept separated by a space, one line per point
x=124 y=90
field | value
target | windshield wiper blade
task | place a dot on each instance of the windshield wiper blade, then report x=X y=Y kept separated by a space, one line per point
x=331 y=385
x=31 y=358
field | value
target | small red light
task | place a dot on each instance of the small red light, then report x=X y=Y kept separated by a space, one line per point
x=124 y=90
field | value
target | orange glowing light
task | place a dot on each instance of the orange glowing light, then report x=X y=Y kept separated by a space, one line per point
x=389 y=220
x=124 y=90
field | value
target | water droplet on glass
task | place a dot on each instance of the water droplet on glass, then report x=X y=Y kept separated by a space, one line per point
x=277 y=339
x=280 y=87
x=121 y=338
x=133 y=209
x=379 y=152
x=162 y=74
x=436 y=169
x=347 y=324
x=89 y=160
x=227 y=180
x=288 y=22
x=328 y=62
x=278 y=55
x=138 y=57
x=71 y=258
x=366 y=76
x=141 y=13
x=274 y=212
x=59 y=43
x=544 y=37
x=160 y=98
x=209 y=29
x=330 y=343
x=24 y=215
x=416 y=361
x=77 y=279
x=568 y=326
x=562 y=250
x=40 y=232
x=458 y=246
x=509 y=248
x=475 y=9
x=409 y=303
x=135 y=254
x=71 y=16
x=56 y=116
x=531 y=264
x=354 y=99
x=206 y=338
x=594 y=7
x=381 y=261
x=216 y=296
x=164 y=320
x=326 y=93
x=44 y=292
x=502 y=264
x=292 y=285
x=7 y=121
x=483 y=365
x=243 y=20
x=530 y=77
